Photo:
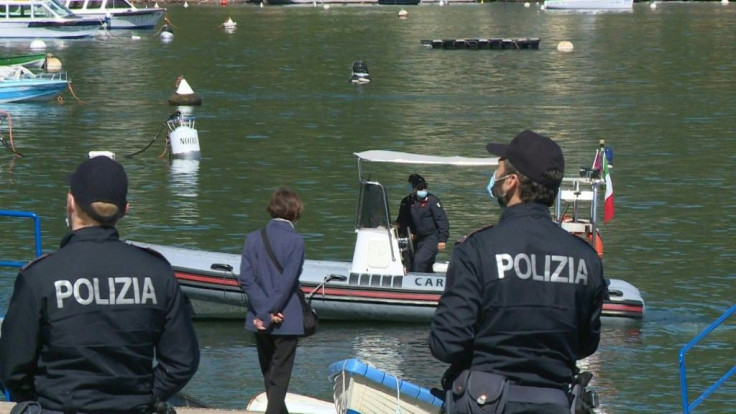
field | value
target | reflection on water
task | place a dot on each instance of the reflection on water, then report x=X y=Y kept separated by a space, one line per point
x=184 y=186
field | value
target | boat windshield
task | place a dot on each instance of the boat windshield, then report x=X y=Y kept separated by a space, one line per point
x=372 y=206
x=58 y=8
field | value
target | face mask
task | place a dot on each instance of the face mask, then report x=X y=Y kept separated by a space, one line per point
x=421 y=194
x=493 y=192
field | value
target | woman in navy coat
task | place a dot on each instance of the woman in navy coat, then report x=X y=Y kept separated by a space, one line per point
x=274 y=311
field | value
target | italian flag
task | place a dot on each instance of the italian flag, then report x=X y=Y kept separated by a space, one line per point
x=608 y=206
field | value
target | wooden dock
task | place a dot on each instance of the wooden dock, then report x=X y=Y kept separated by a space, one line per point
x=522 y=43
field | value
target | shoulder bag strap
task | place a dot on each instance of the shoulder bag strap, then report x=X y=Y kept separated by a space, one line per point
x=267 y=244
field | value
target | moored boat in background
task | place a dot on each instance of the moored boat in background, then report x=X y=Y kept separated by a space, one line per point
x=122 y=14
x=35 y=60
x=18 y=83
x=620 y=5
x=43 y=19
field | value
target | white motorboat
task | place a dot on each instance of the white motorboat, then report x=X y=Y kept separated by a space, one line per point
x=374 y=286
x=44 y=19
x=122 y=14
x=620 y=5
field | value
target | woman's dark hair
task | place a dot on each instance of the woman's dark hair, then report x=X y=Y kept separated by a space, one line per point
x=285 y=204
x=532 y=191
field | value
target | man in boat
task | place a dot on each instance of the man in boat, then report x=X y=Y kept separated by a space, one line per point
x=523 y=298
x=422 y=218
x=86 y=323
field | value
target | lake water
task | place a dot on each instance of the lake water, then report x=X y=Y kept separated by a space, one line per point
x=656 y=84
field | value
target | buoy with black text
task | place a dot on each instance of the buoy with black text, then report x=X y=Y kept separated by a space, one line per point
x=183 y=137
x=360 y=72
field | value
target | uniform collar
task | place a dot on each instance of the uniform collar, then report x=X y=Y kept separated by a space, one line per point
x=525 y=210
x=94 y=233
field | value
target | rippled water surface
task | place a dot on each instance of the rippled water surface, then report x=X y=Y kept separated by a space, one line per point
x=656 y=84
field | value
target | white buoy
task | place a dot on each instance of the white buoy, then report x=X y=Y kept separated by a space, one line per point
x=184 y=94
x=229 y=23
x=542 y=7
x=135 y=37
x=186 y=5
x=527 y=5
x=724 y=1
x=38 y=44
x=653 y=5
x=403 y=13
x=565 y=46
x=183 y=138
x=326 y=6
x=155 y=5
x=261 y=5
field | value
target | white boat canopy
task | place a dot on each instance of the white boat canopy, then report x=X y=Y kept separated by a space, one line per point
x=396 y=157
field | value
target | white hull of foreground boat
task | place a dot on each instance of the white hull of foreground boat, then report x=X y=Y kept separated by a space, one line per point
x=588 y=4
x=295 y=404
x=359 y=388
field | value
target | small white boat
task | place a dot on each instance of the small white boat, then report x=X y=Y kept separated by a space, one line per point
x=295 y=403
x=375 y=286
x=620 y=5
x=122 y=14
x=18 y=83
x=44 y=19
x=360 y=388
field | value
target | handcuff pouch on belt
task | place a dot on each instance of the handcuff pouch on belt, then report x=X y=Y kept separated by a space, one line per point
x=583 y=399
x=477 y=392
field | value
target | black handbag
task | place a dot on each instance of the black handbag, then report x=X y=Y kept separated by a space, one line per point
x=309 y=315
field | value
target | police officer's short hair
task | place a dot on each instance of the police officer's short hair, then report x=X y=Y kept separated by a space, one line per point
x=532 y=191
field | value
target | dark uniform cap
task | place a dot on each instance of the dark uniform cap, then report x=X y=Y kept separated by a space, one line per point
x=532 y=154
x=415 y=180
x=100 y=179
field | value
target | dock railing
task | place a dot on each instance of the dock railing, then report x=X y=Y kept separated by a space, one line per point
x=37 y=230
x=686 y=406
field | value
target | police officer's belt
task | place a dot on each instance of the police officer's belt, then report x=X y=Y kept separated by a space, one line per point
x=537 y=395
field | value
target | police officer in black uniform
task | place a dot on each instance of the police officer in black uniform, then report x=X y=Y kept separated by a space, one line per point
x=86 y=323
x=422 y=214
x=523 y=298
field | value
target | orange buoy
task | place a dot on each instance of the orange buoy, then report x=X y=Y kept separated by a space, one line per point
x=223 y=3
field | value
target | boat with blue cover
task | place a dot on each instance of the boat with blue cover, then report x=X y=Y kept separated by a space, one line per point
x=361 y=388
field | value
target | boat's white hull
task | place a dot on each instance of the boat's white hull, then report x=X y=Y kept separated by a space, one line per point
x=209 y=280
x=359 y=388
x=51 y=30
x=588 y=4
x=295 y=403
x=128 y=19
